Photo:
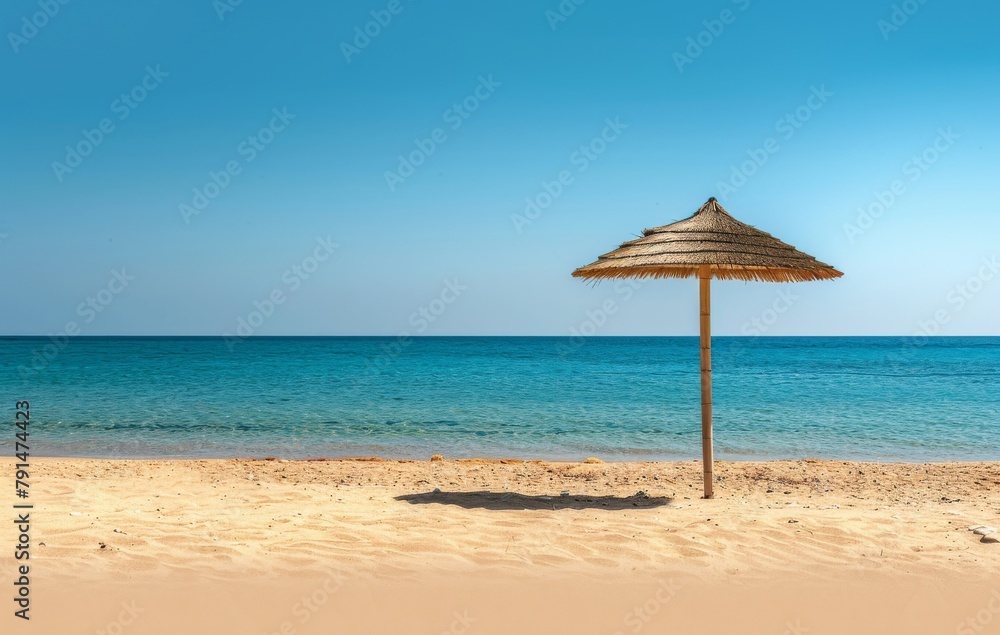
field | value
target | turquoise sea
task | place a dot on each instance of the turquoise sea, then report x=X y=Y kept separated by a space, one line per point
x=873 y=398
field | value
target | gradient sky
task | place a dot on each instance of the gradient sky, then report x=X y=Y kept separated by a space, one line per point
x=889 y=92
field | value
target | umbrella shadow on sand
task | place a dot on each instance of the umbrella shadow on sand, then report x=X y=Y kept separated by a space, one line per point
x=514 y=501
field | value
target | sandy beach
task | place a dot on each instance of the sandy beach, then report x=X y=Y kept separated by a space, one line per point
x=890 y=533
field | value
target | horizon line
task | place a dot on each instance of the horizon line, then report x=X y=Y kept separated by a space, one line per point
x=409 y=336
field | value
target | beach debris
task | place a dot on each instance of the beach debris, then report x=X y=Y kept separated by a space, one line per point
x=592 y=459
x=792 y=520
x=437 y=457
x=102 y=545
x=564 y=493
x=437 y=490
x=983 y=530
x=119 y=531
x=945 y=499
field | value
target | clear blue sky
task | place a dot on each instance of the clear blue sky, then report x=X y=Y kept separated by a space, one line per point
x=546 y=86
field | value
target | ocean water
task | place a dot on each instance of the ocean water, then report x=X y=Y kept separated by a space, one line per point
x=872 y=398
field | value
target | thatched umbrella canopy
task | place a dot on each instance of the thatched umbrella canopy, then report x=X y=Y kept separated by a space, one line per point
x=709 y=244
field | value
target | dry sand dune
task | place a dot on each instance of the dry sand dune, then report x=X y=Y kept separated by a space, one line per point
x=374 y=517
x=627 y=528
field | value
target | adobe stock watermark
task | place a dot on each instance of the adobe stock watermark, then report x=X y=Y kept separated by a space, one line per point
x=641 y=615
x=420 y=320
x=898 y=17
x=453 y=118
x=291 y=281
x=978 y=623
x=704 y=39
x=365 y=33
x=31 y=25
x=795 y=628
x=224 y=7
x=760 y=324
x=129 y=612
x=562 y=12
x=248 y=150
x=122 y=106
x=956 y=299
x=307 y=606
x=786 y=127
x=913 y=169
x=596 y=319
x=580 y=159
x=735 y=351
x=460 y=623
x=959 y=297
x=87 y=311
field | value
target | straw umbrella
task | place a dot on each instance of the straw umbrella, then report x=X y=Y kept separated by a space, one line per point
x=709 y=244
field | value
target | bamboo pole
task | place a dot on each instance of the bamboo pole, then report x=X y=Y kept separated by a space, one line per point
x=705 y=294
